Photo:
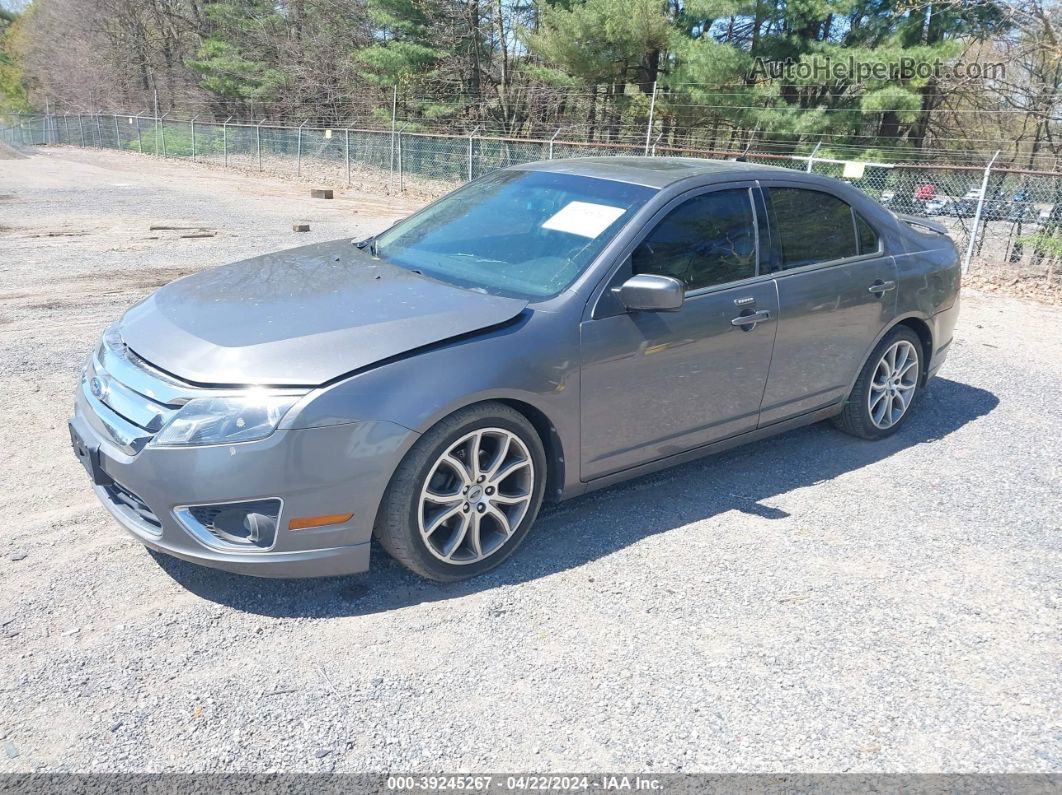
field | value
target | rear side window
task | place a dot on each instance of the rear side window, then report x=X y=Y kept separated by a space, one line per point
x=868 y=238
x=812 y=226
x=707 y=240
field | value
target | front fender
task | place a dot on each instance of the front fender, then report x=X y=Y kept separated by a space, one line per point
x=534 y=362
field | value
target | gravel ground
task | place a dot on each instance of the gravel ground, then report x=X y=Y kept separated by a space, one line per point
x=808 y=603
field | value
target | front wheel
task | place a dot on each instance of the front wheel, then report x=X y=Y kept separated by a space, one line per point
x=886 y=389
x=465 y=495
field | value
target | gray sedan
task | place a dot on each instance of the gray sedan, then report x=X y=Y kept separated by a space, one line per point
x=546 y=330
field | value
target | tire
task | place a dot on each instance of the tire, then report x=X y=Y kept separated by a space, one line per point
x=447 y=517
x=878 y=387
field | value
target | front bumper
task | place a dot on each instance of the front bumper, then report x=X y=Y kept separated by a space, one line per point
x=331 y=470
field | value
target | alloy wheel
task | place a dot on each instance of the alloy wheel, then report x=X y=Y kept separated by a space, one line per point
x=475 y=496
x=892 y=388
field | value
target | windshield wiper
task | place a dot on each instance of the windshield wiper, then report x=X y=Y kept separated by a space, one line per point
x=371 y=243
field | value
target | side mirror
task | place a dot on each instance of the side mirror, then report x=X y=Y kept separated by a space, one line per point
x=648 y=292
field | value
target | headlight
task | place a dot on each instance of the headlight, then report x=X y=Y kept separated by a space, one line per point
x=222 y=420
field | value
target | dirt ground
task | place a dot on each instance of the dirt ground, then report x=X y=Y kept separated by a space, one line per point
x=808 y=603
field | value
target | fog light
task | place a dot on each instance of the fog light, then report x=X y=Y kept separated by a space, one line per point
x=249 y=525
x=242 y=527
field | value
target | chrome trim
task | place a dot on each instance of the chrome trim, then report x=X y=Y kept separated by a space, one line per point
x=183 y=513
x=135 y=375
x=130 y=438
x=138 y=409
x=759 y=316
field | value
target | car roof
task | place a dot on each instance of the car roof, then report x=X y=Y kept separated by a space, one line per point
x=653 y=172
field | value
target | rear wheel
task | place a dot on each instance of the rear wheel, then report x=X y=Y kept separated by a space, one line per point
x=465 y=495
x=886 y=389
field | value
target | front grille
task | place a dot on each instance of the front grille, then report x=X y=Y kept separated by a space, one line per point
x=130 y=401
x=135 y=508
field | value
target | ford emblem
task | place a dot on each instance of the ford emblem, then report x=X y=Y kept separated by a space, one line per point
x=98 y=388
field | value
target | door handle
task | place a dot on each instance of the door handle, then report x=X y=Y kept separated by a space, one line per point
x=880 y=288
x=751 y=319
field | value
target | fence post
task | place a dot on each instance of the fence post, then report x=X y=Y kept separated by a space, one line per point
x=162 y=130
x=192 y=122
x=811 y=158
x=401 y=177
x=258 y=142
x=748 y=144
x=394 y=111
x=139 y=137
x=81 y=127
x=225 y=138
x=652 y=151
x=298 y=153
x=391 y=177
x=117 y=135
x=977 y=214
x=99 y=130
x=652 y=111
x=551 y=140
x=471 y=172
x=346 y=152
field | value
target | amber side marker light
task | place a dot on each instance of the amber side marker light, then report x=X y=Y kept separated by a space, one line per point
x=306 y=522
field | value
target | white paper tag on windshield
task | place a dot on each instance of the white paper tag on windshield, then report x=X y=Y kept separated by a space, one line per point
x=584 y=219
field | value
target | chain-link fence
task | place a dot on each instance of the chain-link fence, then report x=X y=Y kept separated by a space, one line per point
x=1007 y=222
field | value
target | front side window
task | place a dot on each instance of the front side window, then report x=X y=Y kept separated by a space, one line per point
x=812 y=226
x=527 y=234
x=708 y=240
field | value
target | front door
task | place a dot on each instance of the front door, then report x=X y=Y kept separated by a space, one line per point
x=659 y=383
x=836 y=293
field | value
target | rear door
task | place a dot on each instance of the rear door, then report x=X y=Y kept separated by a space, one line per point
x=658 y=383
x=836 y=293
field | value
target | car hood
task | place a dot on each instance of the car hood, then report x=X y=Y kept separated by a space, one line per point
x=302 y=316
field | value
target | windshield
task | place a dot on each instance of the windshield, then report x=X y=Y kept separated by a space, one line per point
x=527 y=234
